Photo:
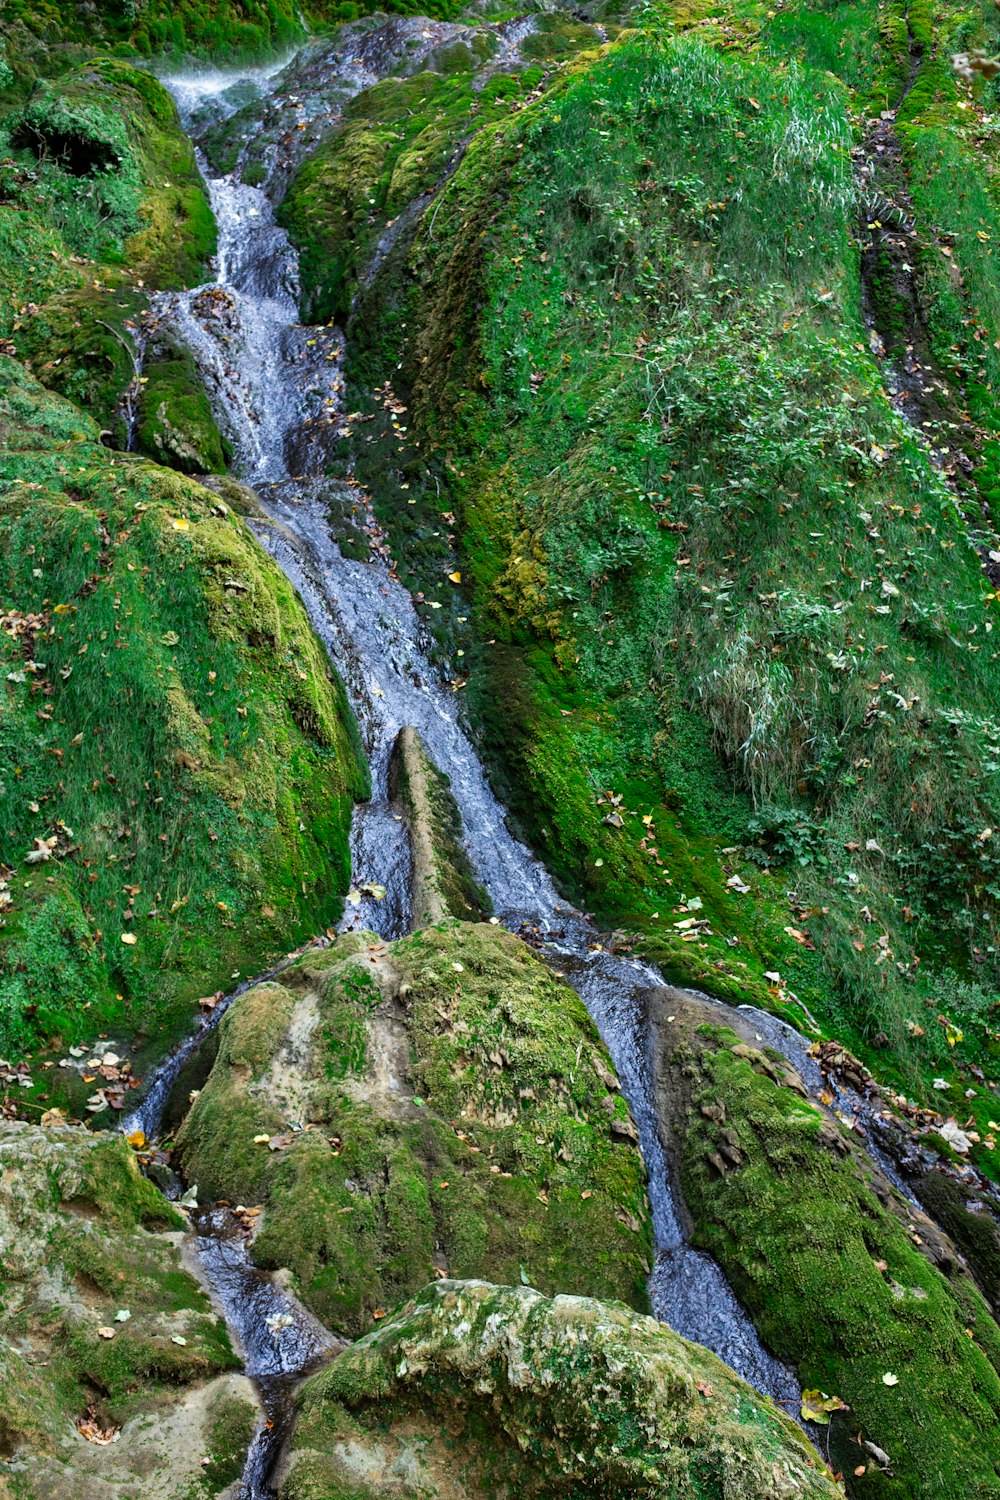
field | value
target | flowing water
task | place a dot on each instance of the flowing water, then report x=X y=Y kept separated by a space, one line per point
x=276 y=389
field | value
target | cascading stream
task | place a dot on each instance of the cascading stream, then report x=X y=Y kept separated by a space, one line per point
x=275 y=387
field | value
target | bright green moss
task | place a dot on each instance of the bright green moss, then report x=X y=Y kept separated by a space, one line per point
x=648 y=401
x=101 y=199
x=175 y=424
x=397 y=140
x=183 y=723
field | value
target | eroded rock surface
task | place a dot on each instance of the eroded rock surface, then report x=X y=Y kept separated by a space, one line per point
x=480 y=1391
x=116 y=1375
x=406 y=1110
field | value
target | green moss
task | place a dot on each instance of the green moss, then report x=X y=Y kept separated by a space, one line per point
x=101 y=199
x=636 y=376
x=77 y=1249
x=232 y=1429
x=832 y=1271
x=175 y=424
x=183 y=723
x=398 y=140
x=463 y=1117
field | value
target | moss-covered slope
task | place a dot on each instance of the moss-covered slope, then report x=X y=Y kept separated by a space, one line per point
x=177 y=761
x=439 y=1105
x=719 y=605
x=486 y=1390
x=836 y=1270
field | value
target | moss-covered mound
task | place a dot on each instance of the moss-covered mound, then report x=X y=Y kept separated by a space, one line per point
x=715 y=597
x=487 y=1390
x=102 y=1329
x=836 y=1271
x=177 y=761
x=399 y=140
x=174 y=420
x=437 y=1105
x=100 y=201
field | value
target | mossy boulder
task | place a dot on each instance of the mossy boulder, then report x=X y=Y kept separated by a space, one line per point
x=403 y=1110
x=670 y=649
x=168 y=720
x=174 y=420
x=843 y=1277
x=102 y=1325
x=492 y=1390
x=399 y=140
x=444 y=882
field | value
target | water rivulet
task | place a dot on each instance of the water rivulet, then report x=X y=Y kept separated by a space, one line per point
x=275 y=387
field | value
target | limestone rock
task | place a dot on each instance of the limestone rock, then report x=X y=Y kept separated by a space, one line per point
x=444 y=883
x=102 y=1331
x=432 y=1105
x=481 y=1390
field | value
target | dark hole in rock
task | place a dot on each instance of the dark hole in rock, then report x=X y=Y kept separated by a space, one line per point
x=80 y=155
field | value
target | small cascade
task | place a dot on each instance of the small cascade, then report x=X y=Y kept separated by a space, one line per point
x=279 y=1339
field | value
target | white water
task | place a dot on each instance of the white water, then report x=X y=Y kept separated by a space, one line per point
x=276 y=390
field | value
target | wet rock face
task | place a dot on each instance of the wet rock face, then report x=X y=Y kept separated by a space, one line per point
x=482 y=1390
x=113 y=1366
x=445 y=884
x=412 y=1109
x=845 y=1278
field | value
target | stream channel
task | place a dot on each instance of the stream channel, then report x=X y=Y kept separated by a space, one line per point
x=276 y=388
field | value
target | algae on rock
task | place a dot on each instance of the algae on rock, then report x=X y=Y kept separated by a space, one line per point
x=485 y=1390
x=438 y=1104
x=168 y=720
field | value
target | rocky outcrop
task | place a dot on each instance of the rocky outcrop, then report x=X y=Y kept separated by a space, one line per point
x=444 y=882
x=102 y=203
x=115 y=1372
x=846 y=1279
x=481 y=1391
x=414 y=1109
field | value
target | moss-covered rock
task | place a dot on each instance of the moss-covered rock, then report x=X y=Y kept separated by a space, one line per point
x=168 y=720
x=174 y=420
x=444 y=882
x=102 y=1327
x=671 y=648
x=100 y=201
x=399 y=140
x=438 y=1104
x=490 y=1390
x=837 y=1271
